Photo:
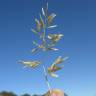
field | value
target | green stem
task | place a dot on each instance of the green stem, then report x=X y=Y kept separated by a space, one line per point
x=46 y=79
x=44 y=33
x=44 y=69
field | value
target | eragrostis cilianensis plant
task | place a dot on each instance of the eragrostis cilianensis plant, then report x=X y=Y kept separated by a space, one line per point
x=48 y=43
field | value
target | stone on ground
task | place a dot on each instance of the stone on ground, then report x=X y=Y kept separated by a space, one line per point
x=55 y=92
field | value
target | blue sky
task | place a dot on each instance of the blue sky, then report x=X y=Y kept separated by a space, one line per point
x=76 y=20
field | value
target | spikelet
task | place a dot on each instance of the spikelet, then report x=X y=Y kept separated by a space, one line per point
x=53 y=26
x=54 y=68
x=43 y=12
x=42 y=22
x=38 y=24
x=50 y=18
x=53 y=75
x=53 y=49
x=32 y=64
x=34 y=31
